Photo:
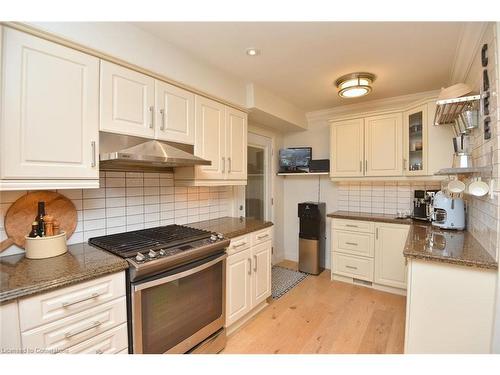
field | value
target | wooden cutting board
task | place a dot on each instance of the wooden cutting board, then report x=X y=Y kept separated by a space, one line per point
x=23 y=212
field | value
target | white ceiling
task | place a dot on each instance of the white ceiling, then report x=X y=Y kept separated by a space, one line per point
x=301 y=60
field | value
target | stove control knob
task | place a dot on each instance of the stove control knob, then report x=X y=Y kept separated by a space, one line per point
x=152 y=254
x=220 y=236
x=163 y=253
x=213 y=238
x=140 y=257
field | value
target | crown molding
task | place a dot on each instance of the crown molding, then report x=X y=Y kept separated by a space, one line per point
x=396 y=103
x=468 y=47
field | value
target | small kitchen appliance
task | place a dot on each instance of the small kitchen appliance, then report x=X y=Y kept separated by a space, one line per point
x=462 y=157
x=448 y=213
x=422 y=204
x=311 y=237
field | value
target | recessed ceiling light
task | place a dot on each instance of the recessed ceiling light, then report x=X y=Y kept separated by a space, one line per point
x=355 y=84
x=253 y=52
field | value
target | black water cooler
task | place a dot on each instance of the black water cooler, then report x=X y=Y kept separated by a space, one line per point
x=311 y=237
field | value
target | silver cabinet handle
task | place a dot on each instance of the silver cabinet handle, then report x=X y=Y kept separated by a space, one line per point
x=255 y=268
x=240 y=244
x=351 y=243
x=351 y=225
x=152 y=118
x=92 y=326
x=162 y=113
x=92 y=296
x=263 y=236
x=360 y=166
x=94 y=157
x=99 y=351
x=376 y=233
x=229 y=161
x=223 y=165
x=351 y=267
x=249 y=266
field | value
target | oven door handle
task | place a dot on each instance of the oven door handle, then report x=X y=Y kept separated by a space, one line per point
x=179 y=275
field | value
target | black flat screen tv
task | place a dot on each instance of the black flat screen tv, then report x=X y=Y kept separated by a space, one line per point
x=295 y=159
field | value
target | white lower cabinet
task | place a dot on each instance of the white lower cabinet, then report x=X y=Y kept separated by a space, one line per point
x=248 y=274
x=369 y=253
x=90 y=317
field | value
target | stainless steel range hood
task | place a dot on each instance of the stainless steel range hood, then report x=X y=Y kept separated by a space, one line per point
x=122 y=152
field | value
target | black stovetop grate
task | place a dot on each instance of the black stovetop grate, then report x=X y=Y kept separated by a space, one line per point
x=130 y=243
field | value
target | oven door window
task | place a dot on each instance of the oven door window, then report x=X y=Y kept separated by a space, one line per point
x=174 y=311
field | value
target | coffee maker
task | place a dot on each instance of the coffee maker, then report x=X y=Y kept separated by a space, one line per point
x=422 y=204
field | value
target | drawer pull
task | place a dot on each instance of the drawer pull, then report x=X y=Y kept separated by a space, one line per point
x=255 y=267
x=351 y=243
x=92 y=326
x=263 y=236
x=240 y=244
x=351 y=267
x=351 y=225
x=249 y=266
x=92 y=296
x=99 y=351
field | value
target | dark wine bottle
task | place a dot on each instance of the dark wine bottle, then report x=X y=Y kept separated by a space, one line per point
x=39 y=219
x=34 y=230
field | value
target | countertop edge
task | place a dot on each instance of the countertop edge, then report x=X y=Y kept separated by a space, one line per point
x=35 y=289
x=235 y=234
x=454 y=261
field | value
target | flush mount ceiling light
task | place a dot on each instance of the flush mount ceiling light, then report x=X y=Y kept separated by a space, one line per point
x=355 y=84
x=252 y=51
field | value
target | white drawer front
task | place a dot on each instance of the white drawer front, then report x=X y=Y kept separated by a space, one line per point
x=262 y=236
x=357 y=267
x=239 y=244
x=354 y=225
x=109 y=342
x=355 y=243
x=76 y=328
x=47 y=307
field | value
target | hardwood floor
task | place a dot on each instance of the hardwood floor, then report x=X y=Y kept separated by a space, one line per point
x=323 y=316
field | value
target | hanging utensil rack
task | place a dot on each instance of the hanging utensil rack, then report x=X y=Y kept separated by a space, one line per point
x=448 y=110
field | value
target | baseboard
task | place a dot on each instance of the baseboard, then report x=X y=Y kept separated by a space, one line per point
x=369 y=284
x=237 y=325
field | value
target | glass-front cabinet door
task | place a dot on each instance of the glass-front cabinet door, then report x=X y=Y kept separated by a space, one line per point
x=415 y=141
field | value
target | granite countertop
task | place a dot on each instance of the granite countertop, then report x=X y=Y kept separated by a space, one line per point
x=447 y=246
x=232 y=227
x=22 y=277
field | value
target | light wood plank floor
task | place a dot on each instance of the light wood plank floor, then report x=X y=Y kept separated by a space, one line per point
x=323 y=316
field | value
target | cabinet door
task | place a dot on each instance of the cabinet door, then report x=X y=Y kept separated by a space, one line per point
x=210 y=139
x=415 y=148
x=236 y=144
x=238 y=286
x=346 y=142
x=383 y=146
x=174 y=113
x=261 y=284
x=390 y=268
x=10 y=334
x=50 y=100
x=127 y=101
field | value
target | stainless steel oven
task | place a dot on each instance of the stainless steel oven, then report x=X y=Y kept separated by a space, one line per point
x=175 y=311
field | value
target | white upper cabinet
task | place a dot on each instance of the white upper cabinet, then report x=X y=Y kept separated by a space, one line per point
x=174 y=113
x=236 y=144
x=415 y=147
x=383 y=145
x=346 y=148
x=210 y=138
x=50 y=122
x=127 y=101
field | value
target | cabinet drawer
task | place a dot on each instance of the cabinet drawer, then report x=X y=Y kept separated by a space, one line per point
x=109 y=342
x=239 y=244
x=354 y=225
x=353 y=243
x=76 y=328
x=352 y=266
x=47 y=307
x=262 y=236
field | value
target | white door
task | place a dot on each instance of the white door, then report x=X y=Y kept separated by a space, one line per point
x=236 y=144
x=50 y=102
x=210 y=138
x=390 y=268
x=238 y=286
x=346 y=151
x=174 y=113
x=127 y=101
x=261 y=263
x=383 y=145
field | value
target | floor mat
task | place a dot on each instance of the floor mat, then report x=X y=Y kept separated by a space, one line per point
x=284 y=279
